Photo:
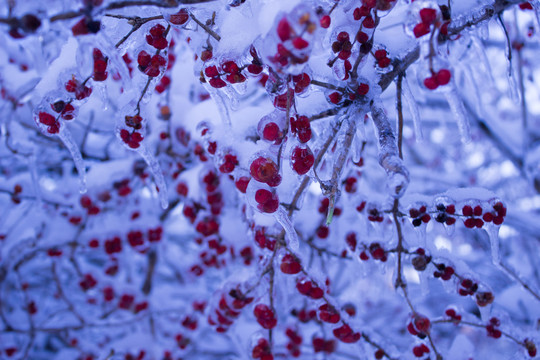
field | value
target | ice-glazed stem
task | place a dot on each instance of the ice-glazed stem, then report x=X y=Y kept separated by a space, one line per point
x=459 y=111
x=69 y=142
x=284 y=220
x=398 y=175
x=413 y=108
x=155 y=169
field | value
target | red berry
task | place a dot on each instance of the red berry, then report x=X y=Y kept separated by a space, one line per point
x=180 y=18
x=290 y=265
x=443 y=77
x=284 y=30
x=431 y=83
x=428 y=15
x=421 y=30
x=325 y=22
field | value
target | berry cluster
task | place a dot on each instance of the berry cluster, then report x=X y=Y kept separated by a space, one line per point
x=267 y=200
x=150 y=65
x=300 y=126
x=307 y=288
x=419 y=326
x=420 y=350
x=157 y=37
x=228 y=309
x=345 y=334
x=290 y=264
x=262 y=350
x=80 y=90
x=324 y=346
x=419 y=216
x=440 y=78
x=492 y=328
x=302 y=159
x=428 y=17
x=295 y=340
x=293 y=47
x=265 y=316
x=327 y=313
x=100 y=65
x=381 y=56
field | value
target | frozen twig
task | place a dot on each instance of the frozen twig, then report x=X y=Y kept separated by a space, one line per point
x=389 y=159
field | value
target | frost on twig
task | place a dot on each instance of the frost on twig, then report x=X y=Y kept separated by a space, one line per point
x=398 y=175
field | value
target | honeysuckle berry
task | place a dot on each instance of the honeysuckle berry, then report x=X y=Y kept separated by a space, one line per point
x=421 y=261
x=290 y=265
x=467 y=287
x=456 y=318
x=374 y=215
x=242 y=183
x=126 y=301
x=281 y=101
x=179 y=18
x=133 y=140
x=484 y=298
x=420 y=350
x=322 y=345
x=301 y=82
x=419 y=326
x=156 y=37
x=301 y=127
x=88 y=282
x=86 y=26
x=307 y=288
x=229 y=163
x=262 y=350
x=444 y=272
x=345 y=334
x=329 y=314
x=113 y=245
x=302 y=159
x=325 y=21
x=351 y=241
x=530 y=346
x=265 y=170
x=492 y=330
x=265 y=316
x=335 y=97
x=441 y=78
x=100 y=65
x=267 y=201
x=75 y=86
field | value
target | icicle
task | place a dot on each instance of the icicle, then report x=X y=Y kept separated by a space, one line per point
x=67 y=139
x=413 y=109
x=282 y=218
x=468 y=71
x=512 y=84
x=32 y=164
x=482 y=56
x=155 y=169
x=218 y=98
x=493 y=233
x=424 y=277
x=458 y=109
x=485 y=312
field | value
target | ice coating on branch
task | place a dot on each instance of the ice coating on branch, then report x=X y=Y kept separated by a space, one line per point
x=413 y=108
x=155 y=169
x=459 y=112
x=493 y=233
x=398 y=175
x=283 y=219
x=73 y=148
x=32 y=165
